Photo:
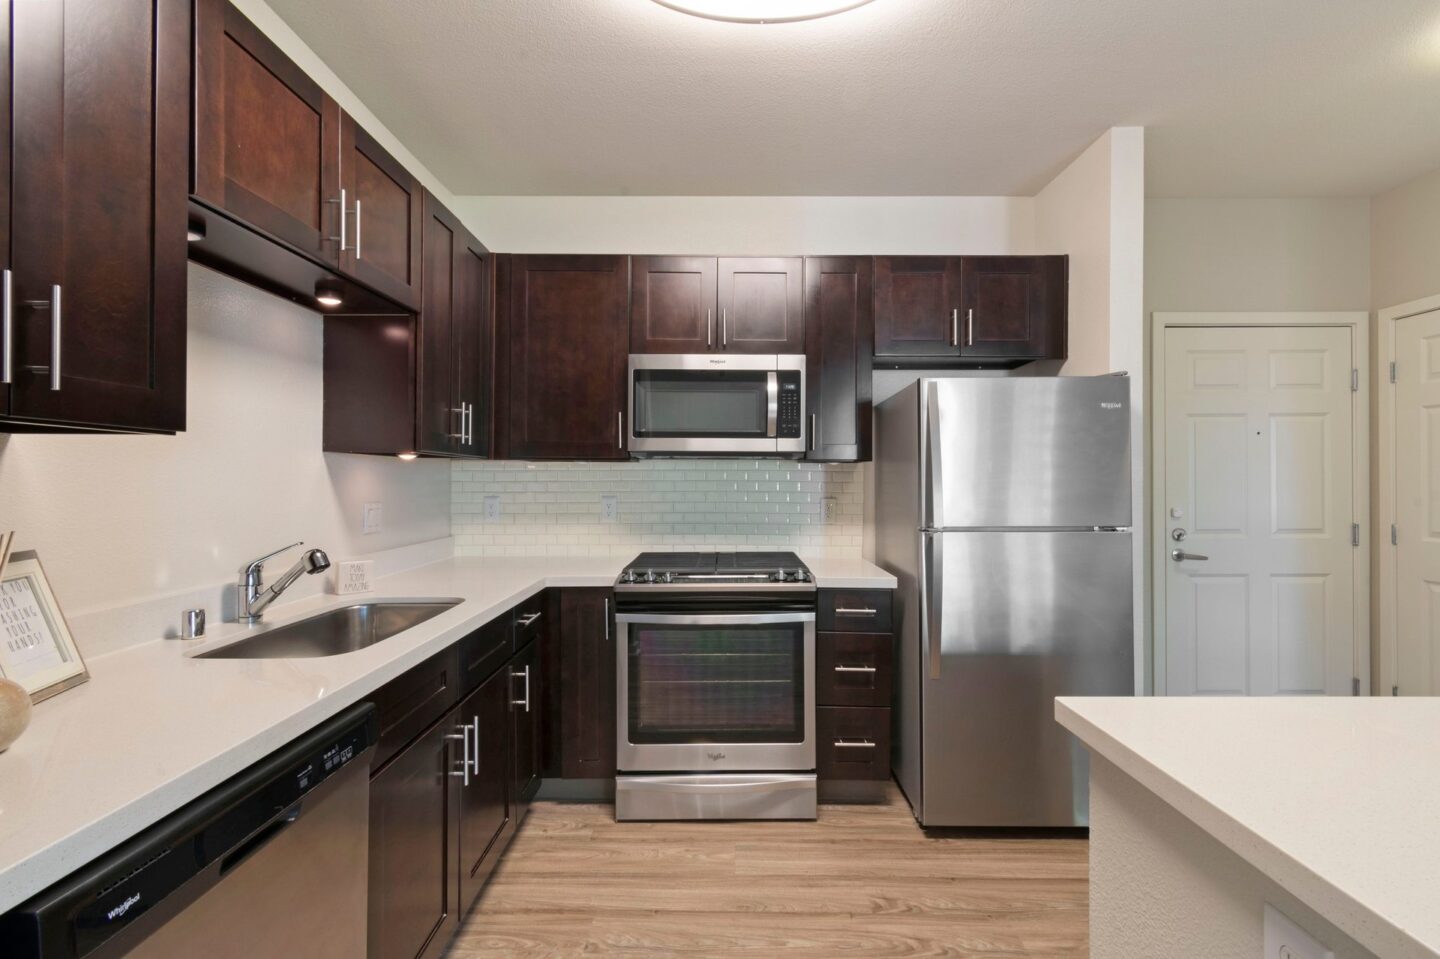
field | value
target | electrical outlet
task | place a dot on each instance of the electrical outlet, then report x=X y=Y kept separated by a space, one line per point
x=609 y=509
x=829 y=509
x=492 y=509
x=353 y=576
x=372 y=518
x=1285 y=940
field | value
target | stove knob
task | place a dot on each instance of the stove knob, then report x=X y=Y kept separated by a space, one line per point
x=649 y=576
x=667 y=577
x=629 y=576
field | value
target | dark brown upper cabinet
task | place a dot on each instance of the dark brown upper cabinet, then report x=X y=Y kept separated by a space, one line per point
x=761 y=305
x=267 y=138
x=94 y=211
x=672 y=304
x=973 y=310
x=839 y=328
x=383 y=213
x=560 y=379
x=1013 y=306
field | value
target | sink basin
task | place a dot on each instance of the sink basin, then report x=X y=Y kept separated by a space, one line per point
x=335 y=631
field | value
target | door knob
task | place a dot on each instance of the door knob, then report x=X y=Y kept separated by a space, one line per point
x=1180 y=556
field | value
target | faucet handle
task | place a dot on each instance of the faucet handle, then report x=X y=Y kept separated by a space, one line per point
x=254 y=565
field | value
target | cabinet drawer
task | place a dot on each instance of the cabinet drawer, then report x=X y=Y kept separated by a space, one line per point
x=529 y=620
x=854 y=669
x=409 y=703
x=484 y=651
x=852 y=742
x=854 y=610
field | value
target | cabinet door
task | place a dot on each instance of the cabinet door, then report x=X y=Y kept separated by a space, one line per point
x=484 y=807
x=587 y=684
x=761 y=305
x=1013 y=306
x=100 y=115
x=565 y=333
x=839 y=328
x=917 y=306
x=441 y=416
x=526 y=708
x=267 y=138
x=672 y=304
x=384 y=215
x=414 y=828
x=474 y=342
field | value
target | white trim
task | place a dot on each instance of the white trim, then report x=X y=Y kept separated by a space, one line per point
x=1385 y=597
x=1359 y=323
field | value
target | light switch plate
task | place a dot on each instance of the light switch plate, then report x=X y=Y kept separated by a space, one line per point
x=353 y=576
x=492 y=509
x=372 y=518
x=829 y=509
x=1286 y=940
x=609 y=509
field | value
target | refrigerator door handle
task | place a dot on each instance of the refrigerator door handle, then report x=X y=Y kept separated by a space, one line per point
x=932 y=566
x=934 y=476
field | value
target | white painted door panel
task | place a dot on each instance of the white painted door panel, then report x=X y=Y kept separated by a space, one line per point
x=1259 y=474
x=1417 y=504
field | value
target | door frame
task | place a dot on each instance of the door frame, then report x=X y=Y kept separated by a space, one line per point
x=1387 y=579
x=1358 y=323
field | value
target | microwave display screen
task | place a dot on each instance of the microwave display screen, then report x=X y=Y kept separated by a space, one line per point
x=701 y=404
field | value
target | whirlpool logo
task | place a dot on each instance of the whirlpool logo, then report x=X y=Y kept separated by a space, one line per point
x=123 y=908
x=1110 y=405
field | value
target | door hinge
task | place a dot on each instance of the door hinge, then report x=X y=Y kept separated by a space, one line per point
x=1354 y=534
x=1392 y=371
x=1355 y=686
x=1395 y=690
x=1354 y=380
x=1394 y=537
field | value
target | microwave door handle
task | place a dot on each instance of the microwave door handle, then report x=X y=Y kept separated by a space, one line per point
x=772 y=402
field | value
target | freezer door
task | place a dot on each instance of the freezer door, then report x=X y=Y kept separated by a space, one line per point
x=1013 y=620
x=1027 y=452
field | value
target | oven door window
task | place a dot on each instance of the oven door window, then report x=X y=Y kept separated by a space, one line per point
x=717 y=684
x=701 y=404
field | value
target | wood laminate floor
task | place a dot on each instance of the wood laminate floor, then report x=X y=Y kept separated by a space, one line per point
x=863 y=881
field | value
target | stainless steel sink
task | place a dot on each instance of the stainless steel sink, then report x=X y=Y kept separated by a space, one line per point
x=335 y=631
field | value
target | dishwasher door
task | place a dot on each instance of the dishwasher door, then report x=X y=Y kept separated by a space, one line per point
x=302 y=894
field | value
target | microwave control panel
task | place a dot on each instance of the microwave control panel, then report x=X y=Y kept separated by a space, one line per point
x=788 y=418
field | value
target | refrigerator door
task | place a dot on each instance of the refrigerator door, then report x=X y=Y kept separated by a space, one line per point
x=1026 y=452
x=1012 y=620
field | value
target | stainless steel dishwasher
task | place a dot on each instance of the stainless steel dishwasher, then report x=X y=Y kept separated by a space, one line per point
x=273 y=863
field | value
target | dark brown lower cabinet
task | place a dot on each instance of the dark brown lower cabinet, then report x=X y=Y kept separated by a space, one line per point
x=587 y=684
x=484 y=800
x=526 y=712
x=854 y=671
x=414 y=832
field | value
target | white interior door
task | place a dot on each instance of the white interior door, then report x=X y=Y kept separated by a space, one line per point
x=1417 y=504
x=1259 y=475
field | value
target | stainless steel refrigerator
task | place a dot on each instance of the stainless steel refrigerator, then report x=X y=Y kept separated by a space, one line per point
x=1002 y=505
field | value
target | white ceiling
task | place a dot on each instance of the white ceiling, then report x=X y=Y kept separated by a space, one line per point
x=899 y=97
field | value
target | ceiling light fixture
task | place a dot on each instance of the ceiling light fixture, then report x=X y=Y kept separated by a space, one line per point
x=762 y=11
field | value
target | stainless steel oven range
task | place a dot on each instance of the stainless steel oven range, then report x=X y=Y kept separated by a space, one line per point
x=715 y=687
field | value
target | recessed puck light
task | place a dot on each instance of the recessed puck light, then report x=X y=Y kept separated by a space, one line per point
x=328 y=294
x=762 y=11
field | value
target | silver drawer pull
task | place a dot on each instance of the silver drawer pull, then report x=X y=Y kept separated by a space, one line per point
x=859 y=611
x=854 y=669
x=464 y=736
x=525 y=621
x=854 y=744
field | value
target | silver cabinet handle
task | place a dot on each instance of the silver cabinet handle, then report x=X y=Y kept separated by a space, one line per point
x=53 y=305
x=340 y=201
x=475 y=752
x=725 y=328
x=526 y=701
x=607 y=619
x=526 y=620
x=854 y=744
x=469 y=417
x=1180 y=556
x=854 y=669
x=464 y=736
x=969 y=327
x=814 y=418
x=358 y=220
x=461 y=411
x=857 y=611
x=7 y=328
x=955 y=327
x=709 y=328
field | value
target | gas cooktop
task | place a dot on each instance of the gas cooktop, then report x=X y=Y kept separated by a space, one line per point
x=711 y=570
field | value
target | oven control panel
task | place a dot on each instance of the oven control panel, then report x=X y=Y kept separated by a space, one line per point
x=789 y=418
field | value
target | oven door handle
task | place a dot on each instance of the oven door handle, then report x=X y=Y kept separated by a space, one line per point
x=713 y=619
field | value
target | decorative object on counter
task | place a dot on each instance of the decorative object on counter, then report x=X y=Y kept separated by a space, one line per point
x=14 y=712
x=192 y=624
x=36 y=648
x=354 y=576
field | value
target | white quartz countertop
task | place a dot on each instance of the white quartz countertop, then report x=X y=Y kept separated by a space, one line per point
x=1335 y=799
x=155 y=728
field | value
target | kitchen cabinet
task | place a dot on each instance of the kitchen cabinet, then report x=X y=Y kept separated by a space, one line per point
x=415 y=804
x=562 y=357
x=970 y=311
x=854 y=680
x=384 y=211
x=526 y=727
x=267 y=137
x=672 y=304
x=587 y=684
x=761 y=305
x=484 y=794
x=93 y=207
x=839 y=327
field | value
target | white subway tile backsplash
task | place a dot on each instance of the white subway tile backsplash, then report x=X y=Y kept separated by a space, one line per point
x=554 y=508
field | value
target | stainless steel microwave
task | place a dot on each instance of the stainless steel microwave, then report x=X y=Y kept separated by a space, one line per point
x=702 y=404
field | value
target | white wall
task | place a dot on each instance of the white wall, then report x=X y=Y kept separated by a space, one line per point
x=1405 y=250
x=120 y=520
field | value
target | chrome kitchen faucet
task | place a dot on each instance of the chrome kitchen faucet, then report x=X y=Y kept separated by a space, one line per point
x=253 y=599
